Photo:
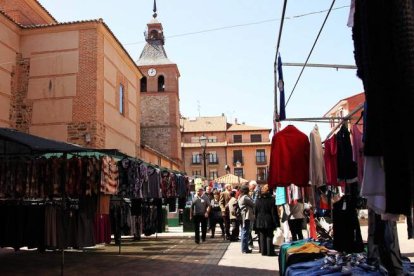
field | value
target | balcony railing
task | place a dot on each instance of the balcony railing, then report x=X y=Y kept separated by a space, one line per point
x=261 y=161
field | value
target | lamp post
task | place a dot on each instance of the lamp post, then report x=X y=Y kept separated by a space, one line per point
x=203 y=143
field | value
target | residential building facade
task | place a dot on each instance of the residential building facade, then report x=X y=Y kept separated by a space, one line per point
x=345 y=107
x=231 y=148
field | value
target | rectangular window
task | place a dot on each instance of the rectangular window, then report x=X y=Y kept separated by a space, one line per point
x=237 y=156
x=260 y=156
x=195 y=158
x=261 y=174
x=212 y=139
x=196 y=173
x=255 y=138
x=121 y=99
x=212 y=157
x=237 y=138
x=212 y=174
x=238 y=172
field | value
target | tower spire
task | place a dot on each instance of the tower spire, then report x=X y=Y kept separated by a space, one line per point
x=155 y=9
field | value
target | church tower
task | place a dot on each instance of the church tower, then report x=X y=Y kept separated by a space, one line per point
x=160 y=111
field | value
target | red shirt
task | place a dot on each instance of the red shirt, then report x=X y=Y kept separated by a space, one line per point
x=289 y=158
x=331 y=163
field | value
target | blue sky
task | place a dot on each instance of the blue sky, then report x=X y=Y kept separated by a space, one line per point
x=225 y=50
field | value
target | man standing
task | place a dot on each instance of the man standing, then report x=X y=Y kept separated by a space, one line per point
x=200 y=208
x=254 y=191
x=224 y=200
x=209 y=194
x=246 y=206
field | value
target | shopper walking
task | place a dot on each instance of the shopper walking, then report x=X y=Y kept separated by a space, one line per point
x=246 y=205
x=199 y=211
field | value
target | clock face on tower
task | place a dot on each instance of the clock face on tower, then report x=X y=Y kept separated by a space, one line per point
x=152 y=72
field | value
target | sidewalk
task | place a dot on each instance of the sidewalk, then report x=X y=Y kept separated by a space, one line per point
x=233 y=256
x=170 y=253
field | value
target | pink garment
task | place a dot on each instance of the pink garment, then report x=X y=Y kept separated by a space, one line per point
x=289 y=158
x=331 y=163
x=358 y=151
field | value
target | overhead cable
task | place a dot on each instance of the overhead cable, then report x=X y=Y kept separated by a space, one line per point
x=310 y=53
x=240 y=25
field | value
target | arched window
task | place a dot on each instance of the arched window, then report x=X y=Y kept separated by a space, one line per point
x=144 y=84
x=154 y=34
x=161 y=83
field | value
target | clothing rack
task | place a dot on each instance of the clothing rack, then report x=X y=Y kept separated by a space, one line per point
x=318 y=119
x=345 y=119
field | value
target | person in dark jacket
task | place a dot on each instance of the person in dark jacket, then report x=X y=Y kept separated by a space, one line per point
x=215 y=215
x=267 y=220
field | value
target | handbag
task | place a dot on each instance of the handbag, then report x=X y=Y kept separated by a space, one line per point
x=278 y=237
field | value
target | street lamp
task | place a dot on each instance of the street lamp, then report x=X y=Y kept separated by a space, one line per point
x=203 y=143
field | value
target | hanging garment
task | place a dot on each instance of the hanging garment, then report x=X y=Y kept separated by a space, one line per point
x=154 y=182
x=317 y=164
x=358 y=151
x=347 y=169
x=280 y=195
x=110 y=176
x=331 y=163
x=373 y=185
x=289 y=158
x=383 y=41
x=346 y=230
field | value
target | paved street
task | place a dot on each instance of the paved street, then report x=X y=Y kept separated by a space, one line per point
x=171 y=253
x=150 y=256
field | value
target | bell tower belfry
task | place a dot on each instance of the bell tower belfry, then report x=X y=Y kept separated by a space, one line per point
x=160 y=111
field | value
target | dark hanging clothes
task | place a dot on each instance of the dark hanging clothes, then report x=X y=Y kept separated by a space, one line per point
x=347 y=168
x=383 y=35
x=347 y=233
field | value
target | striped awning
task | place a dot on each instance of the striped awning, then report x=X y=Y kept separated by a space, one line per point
x=230 y=179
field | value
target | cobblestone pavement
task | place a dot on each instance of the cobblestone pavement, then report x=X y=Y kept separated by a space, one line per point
x=150 y=256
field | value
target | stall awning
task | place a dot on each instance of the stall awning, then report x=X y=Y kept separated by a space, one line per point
x=231 y=179
x=15 y=142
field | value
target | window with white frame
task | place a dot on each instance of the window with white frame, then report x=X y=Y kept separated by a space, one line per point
x=212 y=174
x=212 y=139
x=260 y=156
x=196 y=173
x=212 y=157
x=195 y=158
